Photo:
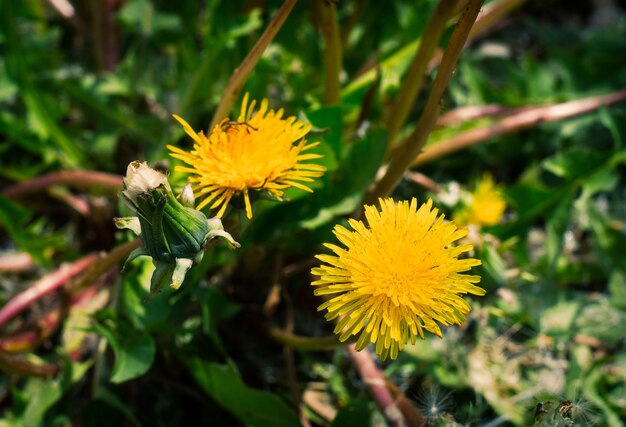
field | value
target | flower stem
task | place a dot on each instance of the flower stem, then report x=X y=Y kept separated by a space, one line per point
x=241 y=73
x=44 y=286
x=412 y=81
x=21 y=365
x=514 y=121
x=329 y=28
x=413 y=145
x=305 y=343
x=76 y=178
x=113 y=257
x=65 y=9
x=375 y=381
x=490 y=15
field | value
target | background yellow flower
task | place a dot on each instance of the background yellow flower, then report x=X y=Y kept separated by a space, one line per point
x=260 y=151
x=396 y=277
x=486 y=205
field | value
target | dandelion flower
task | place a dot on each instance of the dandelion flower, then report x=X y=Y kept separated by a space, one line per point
x=396 y=277
x=261 y=151
x=485 y=206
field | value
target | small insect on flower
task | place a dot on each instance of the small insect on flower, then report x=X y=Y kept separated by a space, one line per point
x=261 y=151
x=396 y=277
x=225 y=125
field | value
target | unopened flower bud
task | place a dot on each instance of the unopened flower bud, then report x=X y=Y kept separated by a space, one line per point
x=174 y=235
x=187 y=198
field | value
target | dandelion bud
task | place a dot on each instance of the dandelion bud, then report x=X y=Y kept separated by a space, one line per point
x=174 y=235
x=187 y=198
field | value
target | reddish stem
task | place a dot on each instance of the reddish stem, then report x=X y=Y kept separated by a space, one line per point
x=516 y=120
x=23 y=341
x=16 y=262
x=376 y=384
x=26 y=340
x=44 y=286
x=75 y=178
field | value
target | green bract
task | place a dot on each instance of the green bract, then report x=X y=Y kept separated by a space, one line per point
x=172 y=233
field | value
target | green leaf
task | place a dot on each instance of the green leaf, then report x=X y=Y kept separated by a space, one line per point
x=30 y=237
x=141 y=16
x=617 y=290
x=112 y=400
x=41 y=395
x=341 y=195
x=134 y=350
x=250 y=406
x=592 y=391
x=327 y=120
x=558 y=319
x=216 y=308
x=148 y=317
x=557 y=225
x=344 y=192
x=575 y=163
x=48 y=393
x=358 y=413
x=493 y=264
x=600 y=320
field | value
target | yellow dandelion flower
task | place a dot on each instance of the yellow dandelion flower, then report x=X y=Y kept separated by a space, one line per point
x=396 y=277
x=261 y=151
x=486 y=205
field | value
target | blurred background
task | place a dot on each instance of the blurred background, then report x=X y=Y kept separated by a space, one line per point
x=535 y=106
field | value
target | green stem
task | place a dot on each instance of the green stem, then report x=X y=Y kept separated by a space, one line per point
x=241 y=73
x=413 y=145
x=21 y=365
x=414 y=78
x=329 y=27
x=114 y=257
x=305 y=343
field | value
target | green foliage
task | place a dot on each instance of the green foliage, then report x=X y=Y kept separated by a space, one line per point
x=134 y=351
x=98 y=94
x=250 y=406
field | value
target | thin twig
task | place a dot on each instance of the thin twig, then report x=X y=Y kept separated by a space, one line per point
x=489 y=16
x=44 y=286
x=20 y=342
x=412 y=415
x=112 y=258
x=472 y=112
x=15 y=262
x=423 y=180
x=305 y=343
x=375 y=382
x=67 y=11
x=525 y=117
x=408 y=151
x=21 y=365
x=412 y=81
x=77 y=203
x=241 y=73
x=329 y=28
x=292 y=375
x=273 y=296
x=75 y=178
